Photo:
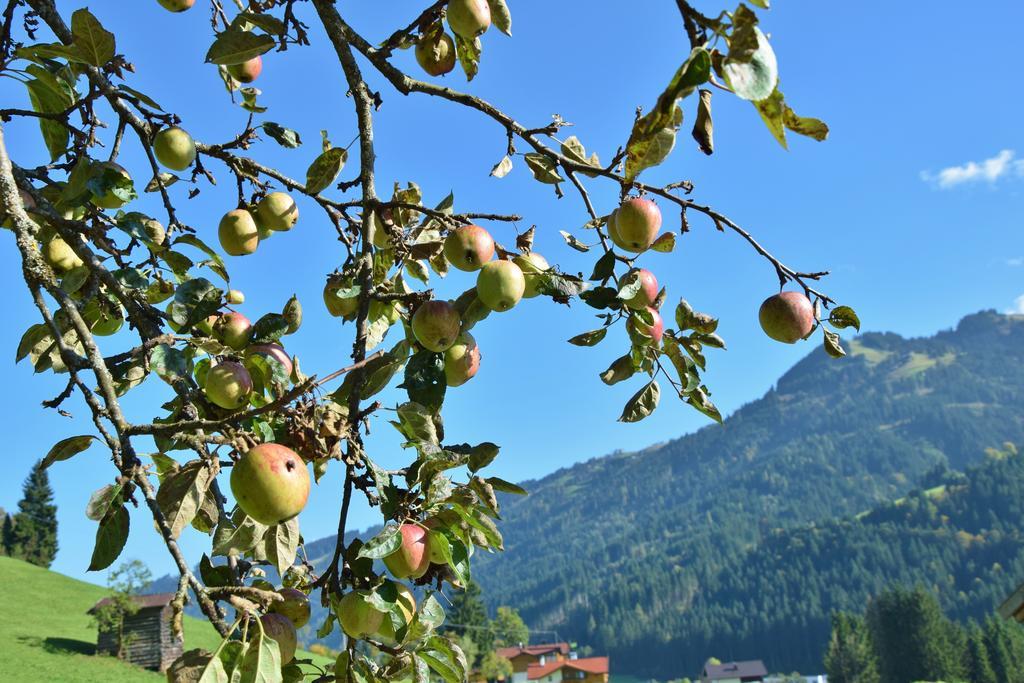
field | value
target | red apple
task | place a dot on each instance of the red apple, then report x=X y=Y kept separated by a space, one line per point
x=643 y=334
x=275 y=351
x=435 y=325
x=233 y=329
x=295 y=606
x=270 y=483
x=247 y=71
x=636 y=224
x=648 y=289
x=279 y=628
x=436 y=53
x=461 y=360
x=176 y=5
x=228 y=385
x=469 y=18
x=412 y=559
x=787 y=317
x=469 y=247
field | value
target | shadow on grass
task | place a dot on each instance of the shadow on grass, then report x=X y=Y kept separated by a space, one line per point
x=60 y=645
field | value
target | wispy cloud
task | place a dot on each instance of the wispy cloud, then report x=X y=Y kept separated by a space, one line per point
x=1018 y=306
x=1015 y=262
x=987 y=171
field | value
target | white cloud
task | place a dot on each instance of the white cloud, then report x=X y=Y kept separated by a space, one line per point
x=987 y=171
x=1015 y=262
x=1018 y=306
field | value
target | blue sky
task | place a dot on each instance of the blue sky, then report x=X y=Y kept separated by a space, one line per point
x=914 y=203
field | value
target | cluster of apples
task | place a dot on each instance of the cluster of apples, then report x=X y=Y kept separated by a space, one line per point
x=284 y=617
x=633 y=227
x=245 y=72
x=435 y=49
x=241 y=230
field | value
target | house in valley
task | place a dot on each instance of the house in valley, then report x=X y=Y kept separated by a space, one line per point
x=553 y=663
x=752 y=671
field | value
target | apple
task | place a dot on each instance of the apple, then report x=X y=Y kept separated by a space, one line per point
x=468 y=247
x=155 y=232
x=461 y=360
x=277 y=211
x=636 y=224
x=336 y=305
x=358 y=617
x=233 y=329
x=787 y=317
x=436 y=53
x=235 y=297
x=238 y=233
x=406 y=603
x=292 y=314
x=295 y=606
x=205 y=326
x=228 y=385
x=500 y=285
x=648 y=289
x=247 y=71
x=643 y=334
x=469 y=18
x=275 y=351
x=174 y=148
x=109 y=200
x=176 y=5
x=270 y=483
x=60 y=256
x=412 y=559
x=532 y=265
x=108 y=322
x=435 y=325
x=280 y=628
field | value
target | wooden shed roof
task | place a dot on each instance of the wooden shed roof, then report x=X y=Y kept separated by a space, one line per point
x=143 y=601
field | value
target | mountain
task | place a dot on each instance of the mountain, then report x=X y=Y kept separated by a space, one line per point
x=737 y=541
x=625 y=552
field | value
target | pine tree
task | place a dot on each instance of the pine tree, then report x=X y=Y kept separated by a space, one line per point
x=850 y=657
x=979 y=666
x=6 y=533
x=1005 y=644
x=34 y=537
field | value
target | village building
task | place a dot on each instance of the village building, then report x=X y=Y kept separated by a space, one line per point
x=148 y=640
x=553 y=663
x=734 y=672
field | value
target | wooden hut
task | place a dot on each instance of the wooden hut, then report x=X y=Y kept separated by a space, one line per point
x=149 y=640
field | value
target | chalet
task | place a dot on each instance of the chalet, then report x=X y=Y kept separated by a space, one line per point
x=734 y=672
x=149 y=641
x=522 y=656
x=584 y=670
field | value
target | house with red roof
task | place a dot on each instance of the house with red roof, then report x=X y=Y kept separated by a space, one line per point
x=553 y=663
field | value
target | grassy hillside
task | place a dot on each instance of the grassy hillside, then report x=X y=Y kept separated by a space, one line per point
x=45 y=633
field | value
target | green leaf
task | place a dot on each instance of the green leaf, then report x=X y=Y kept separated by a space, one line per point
x=425 y=379
x=182 y=493
x=842 y=317
x=665 y=243
x=45 y=101
x=500 y=16
x=591 y=338
x=261 y=662
x=772 y=111
x=269 y=328
x=383 y=544
x=66 y=448
x=92 y=42
x=482 y=455
x=34 y=336
x=324 y=169
x=468 y=51
x=803 y=125
x=101 y=501
x=621 y=369
x=282 y=543
x=544 y=169
x=698 y=398
x=642 y=403
x=754 y=79
x=506 y=486
x=111 y=536
x=234 y=537
x=235 y=47
x=286 y=137
x=169 y=363
x=267 y=22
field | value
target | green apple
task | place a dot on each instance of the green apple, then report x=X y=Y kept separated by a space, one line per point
x=247 y=71
x=109 y=200
x=787 y=317
x=277 y=211
x=412 y=559
x=295 y=606
x=176 y=5
x=234 y=297
x=636 y=225
x=174 y=148
x=500 y=285
x=358 y=617
x=461 y=360
x=435 y=325
x=292 y=314
x=436 y=53
x=468 y=247
x=270 y=483
x=280 y=628
x=532 y=265
x=60 y=256
x=469 y=18
x=238 y=233
x=337 y=306
x=228 y=385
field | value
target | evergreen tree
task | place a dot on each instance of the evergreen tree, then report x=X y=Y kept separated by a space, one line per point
x=468 y=615
x=912 y=639
x=979 y=667
x=1005 y=644
x=6 y=534
x=850 y=657
x=34 y=537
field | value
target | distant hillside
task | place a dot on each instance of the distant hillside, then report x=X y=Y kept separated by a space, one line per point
x=45 y=633
x=625 y=552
